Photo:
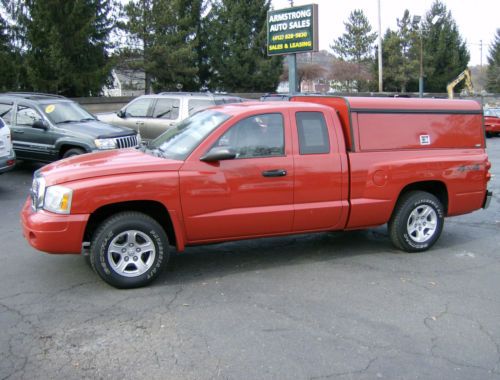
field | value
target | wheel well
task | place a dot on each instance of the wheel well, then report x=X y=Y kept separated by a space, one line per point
x=436 y=188
x=153 y=209
x=64 y=148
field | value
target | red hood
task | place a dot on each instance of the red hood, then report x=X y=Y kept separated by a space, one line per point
x=113 y=162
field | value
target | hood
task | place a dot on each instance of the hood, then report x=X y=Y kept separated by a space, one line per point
x=97 y=129
x=100 y=164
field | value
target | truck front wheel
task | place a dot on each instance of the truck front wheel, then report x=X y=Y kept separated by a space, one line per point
x=417 y=221
x=129 y=250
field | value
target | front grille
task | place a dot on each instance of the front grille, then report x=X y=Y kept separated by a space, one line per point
x=126 y=142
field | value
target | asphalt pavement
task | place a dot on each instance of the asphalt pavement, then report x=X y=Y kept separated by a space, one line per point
x=343 y=305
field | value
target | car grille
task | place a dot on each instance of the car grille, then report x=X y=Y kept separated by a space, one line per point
x=126 y=142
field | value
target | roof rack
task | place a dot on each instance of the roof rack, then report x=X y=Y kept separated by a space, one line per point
x=186 y=93
x=30 y=95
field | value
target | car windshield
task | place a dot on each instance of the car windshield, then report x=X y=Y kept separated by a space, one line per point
x=178 y=142
x=66 y=112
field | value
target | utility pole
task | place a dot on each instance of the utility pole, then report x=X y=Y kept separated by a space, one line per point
x=380 y=83
x=481 y=50
x=292 y=69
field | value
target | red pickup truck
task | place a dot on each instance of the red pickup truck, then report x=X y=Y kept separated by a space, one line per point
x=261 y=169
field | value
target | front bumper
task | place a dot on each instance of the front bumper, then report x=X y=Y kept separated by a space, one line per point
x=53 y=233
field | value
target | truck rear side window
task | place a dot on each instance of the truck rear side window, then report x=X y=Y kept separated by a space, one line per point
x=313 y=133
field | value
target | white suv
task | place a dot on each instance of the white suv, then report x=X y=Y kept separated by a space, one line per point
x=7 y=155
x=151 y=115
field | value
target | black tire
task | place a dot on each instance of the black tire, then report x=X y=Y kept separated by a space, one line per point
x=73 y=152
x=417 y=221
x=129 y=250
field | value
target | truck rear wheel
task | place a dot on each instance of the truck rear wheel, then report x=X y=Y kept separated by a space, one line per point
x=417 y=221
x=129 y=250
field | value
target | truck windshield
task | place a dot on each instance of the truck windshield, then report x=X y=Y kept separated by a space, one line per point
x=177 y=143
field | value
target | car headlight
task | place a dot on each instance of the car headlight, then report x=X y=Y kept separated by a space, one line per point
x=105 y=143
x=37 y=192
x=58 y=199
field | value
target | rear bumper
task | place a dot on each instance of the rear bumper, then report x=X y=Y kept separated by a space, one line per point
x=8 y=162
x=487 y=199
x=53 y=233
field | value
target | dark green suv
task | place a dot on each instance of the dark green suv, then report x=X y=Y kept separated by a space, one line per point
x=49 y=127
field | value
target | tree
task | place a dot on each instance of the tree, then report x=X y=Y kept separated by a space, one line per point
x=493 y=72
x=163 y=39
x=7 y=59
x=445 y=53
x=355 y=46
x=236 y=55
x=67 y=43
x=400 y=52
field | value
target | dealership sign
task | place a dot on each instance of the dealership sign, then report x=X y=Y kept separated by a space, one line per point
x=292 y=30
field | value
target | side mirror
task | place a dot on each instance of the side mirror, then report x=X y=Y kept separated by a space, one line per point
x=218 y=154
x=121 y=114
x=40 y=124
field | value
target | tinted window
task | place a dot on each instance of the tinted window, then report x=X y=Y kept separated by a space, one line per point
x=313 y=133
x=167 y=108
x=195 y=105
x=256 y=136
x=2 y=124
x=139 y=108
x=27 y=116
x=6 y=112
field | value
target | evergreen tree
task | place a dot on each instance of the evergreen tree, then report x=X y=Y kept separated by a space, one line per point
x=7 y=59
x=445 y=53
x=236 y=54
x=164 y=36
x=356 y=45
x=400 y=52
x=67 y=44
x=493 y=73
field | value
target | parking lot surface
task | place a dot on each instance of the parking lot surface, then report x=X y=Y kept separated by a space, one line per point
x=343 y=305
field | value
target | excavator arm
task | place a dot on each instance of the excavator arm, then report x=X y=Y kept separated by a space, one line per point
x=464 y=75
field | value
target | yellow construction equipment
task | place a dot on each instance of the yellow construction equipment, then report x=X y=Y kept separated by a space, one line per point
x=464 y=75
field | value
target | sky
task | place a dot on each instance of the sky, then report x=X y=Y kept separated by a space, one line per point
x=476 y=19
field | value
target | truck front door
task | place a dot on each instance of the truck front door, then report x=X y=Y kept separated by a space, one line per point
x=248 y=196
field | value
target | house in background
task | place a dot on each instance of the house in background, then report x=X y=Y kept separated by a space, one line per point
x=125 y=83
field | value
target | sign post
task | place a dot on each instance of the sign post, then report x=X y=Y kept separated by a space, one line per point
x=290 y=31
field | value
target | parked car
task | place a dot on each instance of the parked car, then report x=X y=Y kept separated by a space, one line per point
x=7 y=155
x=492 y=121
x=265 y=169
x=48 y=127
x=151 y=115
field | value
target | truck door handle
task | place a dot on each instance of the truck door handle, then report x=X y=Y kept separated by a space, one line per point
x=274 y=173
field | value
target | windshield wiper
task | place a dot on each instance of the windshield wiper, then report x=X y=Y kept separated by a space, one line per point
x=68 y=121
x=87 y=119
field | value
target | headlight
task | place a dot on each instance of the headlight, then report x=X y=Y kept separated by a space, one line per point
x=58 y=199
x=105 y=143
x=37 y=192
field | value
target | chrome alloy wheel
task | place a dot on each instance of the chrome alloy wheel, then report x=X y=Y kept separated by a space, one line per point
x=131 y=253
x=422 y=223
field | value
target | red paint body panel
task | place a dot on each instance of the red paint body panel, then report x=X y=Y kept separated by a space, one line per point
x=492 y=124
x=376 y=150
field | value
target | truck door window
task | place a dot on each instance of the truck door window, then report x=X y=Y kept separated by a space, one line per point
x=256 y=136
x=313 y=133
x=26 y=116
x=194 y=105
x=166 y=108
x=139 y=108
x=6 y=112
